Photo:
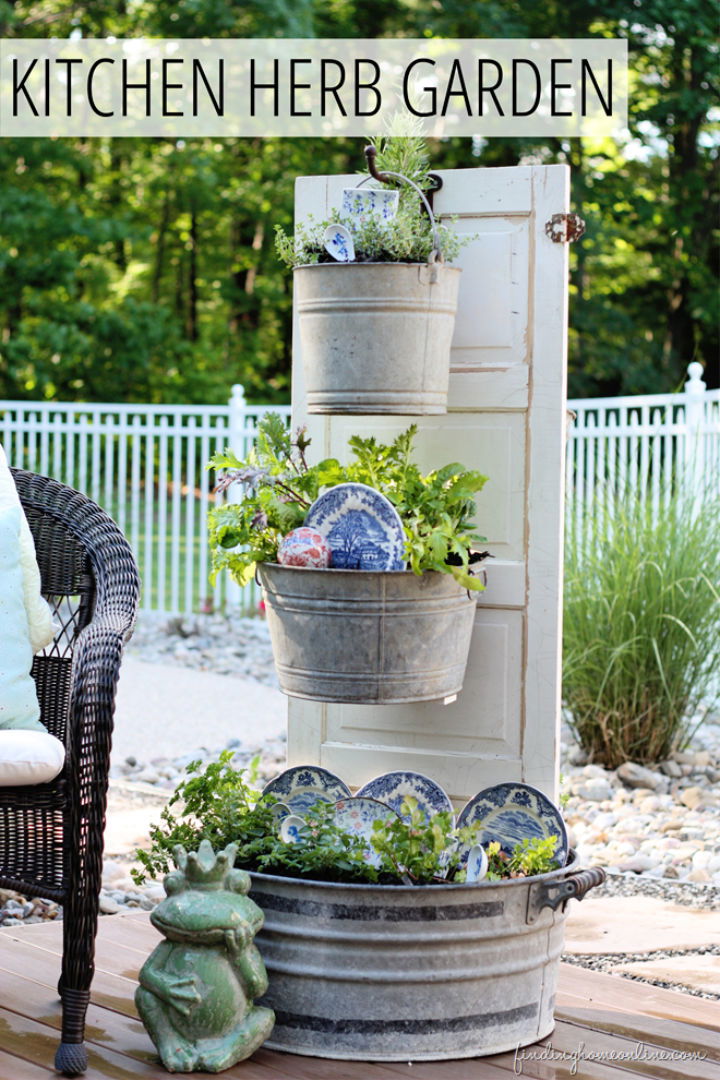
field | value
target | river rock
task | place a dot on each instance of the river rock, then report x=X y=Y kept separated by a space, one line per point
x=596 y=789
x=637 y=776
x=693 y=797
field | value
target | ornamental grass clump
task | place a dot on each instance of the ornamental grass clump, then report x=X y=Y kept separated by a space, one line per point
x=642 y=628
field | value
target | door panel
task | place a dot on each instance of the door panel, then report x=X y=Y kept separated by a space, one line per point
x=506 y=417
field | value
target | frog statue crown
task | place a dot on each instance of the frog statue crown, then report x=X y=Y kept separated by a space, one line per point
x=203 y=869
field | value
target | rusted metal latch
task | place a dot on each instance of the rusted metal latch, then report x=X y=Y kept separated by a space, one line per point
x=564 y=228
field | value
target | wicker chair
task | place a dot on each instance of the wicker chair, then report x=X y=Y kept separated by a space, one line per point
x=51 y=835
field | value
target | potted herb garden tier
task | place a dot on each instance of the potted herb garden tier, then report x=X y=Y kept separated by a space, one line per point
x=375 y=297
x=367 y=569
x=393 y=930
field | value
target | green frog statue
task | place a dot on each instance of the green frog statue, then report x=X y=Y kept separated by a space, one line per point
x=197 y=988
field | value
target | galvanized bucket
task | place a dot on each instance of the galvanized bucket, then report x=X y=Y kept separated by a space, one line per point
x=376 y=336
x=367 y=637
x=400 y=973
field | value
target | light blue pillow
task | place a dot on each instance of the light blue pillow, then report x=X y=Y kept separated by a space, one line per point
x=19 y=706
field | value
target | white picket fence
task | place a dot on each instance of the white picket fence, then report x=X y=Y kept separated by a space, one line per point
x=145 y=464
x=659 y=446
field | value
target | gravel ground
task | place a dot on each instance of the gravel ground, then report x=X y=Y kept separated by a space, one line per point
x=227 y=645
x=608 y=963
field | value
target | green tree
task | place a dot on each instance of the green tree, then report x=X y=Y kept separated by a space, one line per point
x=143 y=269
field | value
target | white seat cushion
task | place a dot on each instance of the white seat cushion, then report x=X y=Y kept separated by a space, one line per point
x=29 y=757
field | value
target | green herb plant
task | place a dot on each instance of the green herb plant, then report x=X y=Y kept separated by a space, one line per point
x=279 y=487
x=421 y=851
x=531 y=856
x=325 y=852
x=222 y=805
x=406 y=238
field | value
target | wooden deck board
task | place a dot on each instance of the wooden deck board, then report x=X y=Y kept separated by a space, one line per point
x=594 y=989
x=606 y=1015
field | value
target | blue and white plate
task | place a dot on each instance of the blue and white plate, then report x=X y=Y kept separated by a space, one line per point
x=356 y=815
x=391 y=788
x=362 y=527
x=513 y=812
x=304 y=785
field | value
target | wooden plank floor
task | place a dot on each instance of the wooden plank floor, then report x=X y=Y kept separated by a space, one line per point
x=620 y=1029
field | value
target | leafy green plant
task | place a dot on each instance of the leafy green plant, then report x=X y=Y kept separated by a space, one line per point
x=325 y=852
x=641 y=640
x=407 y=238
x=418 y=850
x=219 y=803
x=279 y=487
x=533 y=855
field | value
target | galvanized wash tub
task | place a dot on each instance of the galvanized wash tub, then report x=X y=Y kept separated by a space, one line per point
x=367 y=637
x=376 y=336
x=399 y=973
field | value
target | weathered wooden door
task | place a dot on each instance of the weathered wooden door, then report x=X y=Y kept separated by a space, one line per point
x=506 y=417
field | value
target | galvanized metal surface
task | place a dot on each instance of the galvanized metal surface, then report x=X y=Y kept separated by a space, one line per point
x=399 y=973
x=376 y=336
x=365 y=636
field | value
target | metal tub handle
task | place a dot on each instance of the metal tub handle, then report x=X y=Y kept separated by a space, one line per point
x=554 y=893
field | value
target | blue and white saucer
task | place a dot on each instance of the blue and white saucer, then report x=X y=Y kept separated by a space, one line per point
x=362 y=527
x=304 y=785
x=356 y=816
x=512 y=812
x=391 y=788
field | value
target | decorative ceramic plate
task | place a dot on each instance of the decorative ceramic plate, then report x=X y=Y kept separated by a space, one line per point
x=362 y=527
x=356 y=815
x=393 y=787
x=513 y=812
x=301 y=787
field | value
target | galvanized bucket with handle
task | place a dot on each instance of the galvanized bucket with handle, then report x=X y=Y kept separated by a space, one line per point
x=402 y=973
x=376 y=337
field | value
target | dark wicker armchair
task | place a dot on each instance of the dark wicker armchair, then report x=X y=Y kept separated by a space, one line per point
x=51 y=835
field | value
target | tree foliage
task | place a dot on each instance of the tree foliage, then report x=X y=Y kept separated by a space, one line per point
x=144 y=269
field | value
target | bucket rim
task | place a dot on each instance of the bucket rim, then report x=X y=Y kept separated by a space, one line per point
x=340 y=571
x=571 y=867
x=368 y=575
x=356 y=265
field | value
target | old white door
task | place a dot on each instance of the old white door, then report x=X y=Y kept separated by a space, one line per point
x=506 y=417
